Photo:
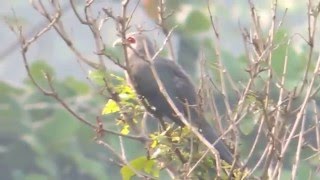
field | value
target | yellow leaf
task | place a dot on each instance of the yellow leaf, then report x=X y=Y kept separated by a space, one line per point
x=154 y=143
x=176 y=139
x=110 y=107
x=117 y=77
x=125 y=130
x=142 y=164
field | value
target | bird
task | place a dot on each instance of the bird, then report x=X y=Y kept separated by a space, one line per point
x=176 y=82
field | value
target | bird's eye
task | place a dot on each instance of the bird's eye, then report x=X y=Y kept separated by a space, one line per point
x=131 y=40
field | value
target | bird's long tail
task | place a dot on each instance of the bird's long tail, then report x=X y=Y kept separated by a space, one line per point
x=209 y=133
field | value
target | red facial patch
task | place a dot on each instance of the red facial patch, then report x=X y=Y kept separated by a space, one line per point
x=131 y=40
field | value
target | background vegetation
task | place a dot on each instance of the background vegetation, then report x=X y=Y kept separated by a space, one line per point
x=256 y=64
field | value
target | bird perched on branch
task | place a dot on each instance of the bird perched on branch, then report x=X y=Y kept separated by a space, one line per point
x=176 y=83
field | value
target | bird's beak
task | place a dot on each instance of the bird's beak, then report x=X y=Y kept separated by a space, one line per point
x=117 y=42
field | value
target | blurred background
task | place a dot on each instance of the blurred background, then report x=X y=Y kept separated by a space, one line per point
x=40 y=140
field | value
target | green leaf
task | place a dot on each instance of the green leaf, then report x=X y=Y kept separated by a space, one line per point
x=304 y=170
x=114 y=52
x=139 y=164
x=11 y=113
x=286 y=174
x=18 y=155
x=97 y=76
x=125 y=92
x=34 y=176
x=76 y=85
x=59 y=128
x=90 y=166
x=39 y=113
x=296 y=63
x=39 y=69
x=235 y=66
x=110 y=107
x=197 y=22
x=6 y=88
x=247 y=125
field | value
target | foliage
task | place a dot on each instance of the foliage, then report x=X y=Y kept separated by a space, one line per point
x=96 y=128
x=40 y=140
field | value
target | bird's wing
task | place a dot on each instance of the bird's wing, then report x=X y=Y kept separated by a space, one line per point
x=181 y=89
x=184 y=91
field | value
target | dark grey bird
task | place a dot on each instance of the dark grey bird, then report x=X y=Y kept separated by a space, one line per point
x=176 y=83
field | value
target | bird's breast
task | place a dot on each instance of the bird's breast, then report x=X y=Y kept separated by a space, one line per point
x=143 y=79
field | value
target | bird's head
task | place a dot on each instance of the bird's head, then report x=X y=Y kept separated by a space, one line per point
x=137 y=45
